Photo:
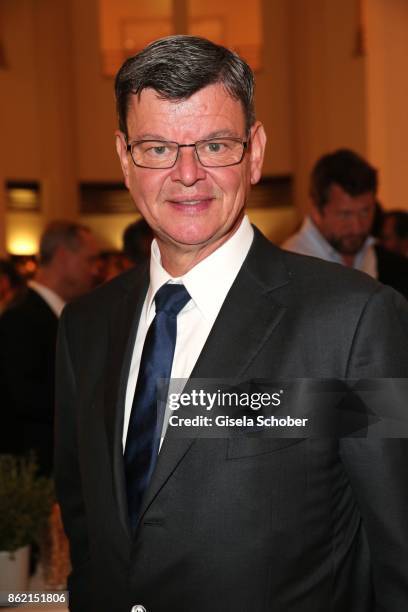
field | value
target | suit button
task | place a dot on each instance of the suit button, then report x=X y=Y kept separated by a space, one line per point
x=138 y=608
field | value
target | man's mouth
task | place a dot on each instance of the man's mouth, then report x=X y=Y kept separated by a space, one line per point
x=190 y=201
x=350 y=245
x=191 y=205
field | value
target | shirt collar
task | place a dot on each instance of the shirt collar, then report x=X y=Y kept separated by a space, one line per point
x=217 y=271
x=328 y=252
x=54 y=301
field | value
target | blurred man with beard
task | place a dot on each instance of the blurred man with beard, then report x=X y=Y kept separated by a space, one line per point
x=343 y=189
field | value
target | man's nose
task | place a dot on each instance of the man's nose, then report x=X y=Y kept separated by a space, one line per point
x=357 y=224
x=188 y=169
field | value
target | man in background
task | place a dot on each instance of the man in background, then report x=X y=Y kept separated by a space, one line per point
x=28 y=331
x=343 y=189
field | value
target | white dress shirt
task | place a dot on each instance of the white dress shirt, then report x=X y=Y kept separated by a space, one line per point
x=208 y=284
x=309 y=241
x=49 y=296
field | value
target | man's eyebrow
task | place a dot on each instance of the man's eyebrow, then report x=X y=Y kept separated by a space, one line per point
x=226 y=133
x=148 y=136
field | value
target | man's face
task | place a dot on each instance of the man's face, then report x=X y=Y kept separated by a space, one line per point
x=191 y=208
x=79 y=267
x=346 y=220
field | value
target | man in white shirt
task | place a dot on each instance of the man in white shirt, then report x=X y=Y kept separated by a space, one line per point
x=28 y=333
x=343 y=188
x=241 y=521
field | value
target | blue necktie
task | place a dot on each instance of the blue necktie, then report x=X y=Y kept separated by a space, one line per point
x=142 y=440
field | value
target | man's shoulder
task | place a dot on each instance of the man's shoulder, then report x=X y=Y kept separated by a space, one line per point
x=334 y=302
x=29 y=306
x=314 y=276
x=311 y=267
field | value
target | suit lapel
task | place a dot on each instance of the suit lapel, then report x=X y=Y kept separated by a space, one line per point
x=247 y=318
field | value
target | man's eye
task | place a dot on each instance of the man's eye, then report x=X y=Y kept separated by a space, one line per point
x=155 y=149
x=215 y=147
x=160 y=150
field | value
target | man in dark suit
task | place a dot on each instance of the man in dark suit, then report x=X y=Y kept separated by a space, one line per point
x=343 y=189
x=239 y=522
x=28 y=334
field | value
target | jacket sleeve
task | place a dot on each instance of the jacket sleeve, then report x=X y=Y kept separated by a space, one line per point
x=67 y=473
x=378 y=465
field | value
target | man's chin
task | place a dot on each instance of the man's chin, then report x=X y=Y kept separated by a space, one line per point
x=348 y=247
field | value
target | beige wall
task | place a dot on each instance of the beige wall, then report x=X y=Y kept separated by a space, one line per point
x=37 y=99
x=94 y=102
x=387 y=96
x=328 y=92
x=37 y=123
x=274 y=103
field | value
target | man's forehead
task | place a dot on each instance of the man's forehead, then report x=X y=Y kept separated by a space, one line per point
x=340 y=198
x=210 y=104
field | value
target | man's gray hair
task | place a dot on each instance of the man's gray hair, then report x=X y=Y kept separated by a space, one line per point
x=176 y=67
x=60 y=233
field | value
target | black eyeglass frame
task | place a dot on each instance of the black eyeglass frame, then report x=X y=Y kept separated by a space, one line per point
x=244 y=143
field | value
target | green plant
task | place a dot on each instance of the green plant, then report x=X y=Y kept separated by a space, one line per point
x=25 y=502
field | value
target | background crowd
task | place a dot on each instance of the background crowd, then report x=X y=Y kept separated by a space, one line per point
x=68 y=265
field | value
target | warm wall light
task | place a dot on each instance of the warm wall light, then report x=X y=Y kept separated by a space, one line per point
x=22 y=244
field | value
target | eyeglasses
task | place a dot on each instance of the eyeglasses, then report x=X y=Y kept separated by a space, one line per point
x=212 y=153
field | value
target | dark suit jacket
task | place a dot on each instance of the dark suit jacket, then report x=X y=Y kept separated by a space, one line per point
x=392 y=270
x=28 y=334
x=230 y=525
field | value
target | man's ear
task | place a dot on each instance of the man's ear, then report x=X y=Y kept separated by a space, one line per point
x=121 y=145
x=257 y=151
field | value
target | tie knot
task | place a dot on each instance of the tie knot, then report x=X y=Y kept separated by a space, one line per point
x=171 y=299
